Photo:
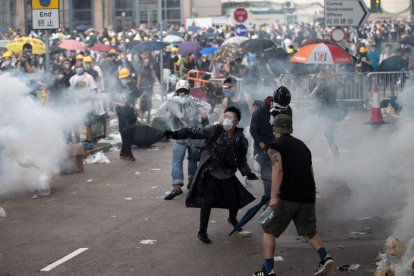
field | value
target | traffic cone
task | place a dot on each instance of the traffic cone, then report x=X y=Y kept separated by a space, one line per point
x=376 y=116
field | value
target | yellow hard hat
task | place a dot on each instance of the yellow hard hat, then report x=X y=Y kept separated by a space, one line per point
x=88 y=59
x=124 y=73
x=8 y=54
x=362 y=50
x=112 y=51
x=79 y=57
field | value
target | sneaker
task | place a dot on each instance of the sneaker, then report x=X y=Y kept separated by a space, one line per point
x=203 y=238
x=234 y=224
x=325 y=266
x=264 y=273
x=173 y=194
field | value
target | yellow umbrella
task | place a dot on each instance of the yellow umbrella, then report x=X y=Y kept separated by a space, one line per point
x=39 y=48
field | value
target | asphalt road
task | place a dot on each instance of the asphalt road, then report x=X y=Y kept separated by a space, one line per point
x=111 y=209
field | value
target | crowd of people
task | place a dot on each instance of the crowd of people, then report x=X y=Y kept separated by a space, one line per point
x=123 y=82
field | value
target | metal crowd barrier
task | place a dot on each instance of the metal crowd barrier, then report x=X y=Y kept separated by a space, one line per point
x=389 y=84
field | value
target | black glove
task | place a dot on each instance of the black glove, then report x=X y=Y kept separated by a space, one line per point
x=251 y=176
x=170 y=134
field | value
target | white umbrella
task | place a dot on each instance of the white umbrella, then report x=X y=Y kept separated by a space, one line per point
x=235 y=39
x=173 y=38
x=4 y=42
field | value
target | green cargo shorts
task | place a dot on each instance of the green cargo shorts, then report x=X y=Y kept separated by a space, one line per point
x=302 y=214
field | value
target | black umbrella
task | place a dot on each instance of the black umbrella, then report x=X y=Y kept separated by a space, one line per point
x=56 y=49
x=408 y=40
x=146 y=46
x=393 y=63
x=258 y=46
x=250 y=214
x=145 y=136
x=207 y=36
x=277 y=53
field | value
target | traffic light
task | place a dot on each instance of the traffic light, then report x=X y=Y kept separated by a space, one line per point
x=375 y=5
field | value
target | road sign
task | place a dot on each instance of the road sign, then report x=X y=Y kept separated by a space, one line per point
x=345 y=12
x=240 y=15
x=240 y=30
x=45 y=14
x=338 y=35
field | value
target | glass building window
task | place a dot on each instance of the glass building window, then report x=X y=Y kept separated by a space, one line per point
x=82 y=13
x=7 y=15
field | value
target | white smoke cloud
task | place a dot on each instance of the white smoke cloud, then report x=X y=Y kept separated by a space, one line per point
x=32 y=136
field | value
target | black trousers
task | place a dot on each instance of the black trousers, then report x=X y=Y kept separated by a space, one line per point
x=218 y=192
x=127 y=135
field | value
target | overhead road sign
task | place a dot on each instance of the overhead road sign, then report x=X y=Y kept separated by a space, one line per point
x=343 y=13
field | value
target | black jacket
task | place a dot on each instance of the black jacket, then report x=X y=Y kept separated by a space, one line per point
x=126 y=114
x=219 y=160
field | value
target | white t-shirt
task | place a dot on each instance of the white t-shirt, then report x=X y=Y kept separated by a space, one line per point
x=101 y=84
x=82 y=81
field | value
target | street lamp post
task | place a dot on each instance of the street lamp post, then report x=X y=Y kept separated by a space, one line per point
x=161 y=52
x=123 y=38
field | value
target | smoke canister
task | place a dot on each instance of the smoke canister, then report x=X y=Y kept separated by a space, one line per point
x=44 y=185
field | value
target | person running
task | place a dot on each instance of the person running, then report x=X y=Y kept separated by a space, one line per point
x=215 y=184
x=262 y=132
x=292 y=196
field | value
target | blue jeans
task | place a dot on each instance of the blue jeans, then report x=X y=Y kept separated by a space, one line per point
x=179 y=149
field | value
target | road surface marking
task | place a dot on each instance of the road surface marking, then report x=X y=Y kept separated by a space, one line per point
x=64 y=259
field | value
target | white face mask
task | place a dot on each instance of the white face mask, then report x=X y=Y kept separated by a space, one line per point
x=124 y=82
x=227 y=124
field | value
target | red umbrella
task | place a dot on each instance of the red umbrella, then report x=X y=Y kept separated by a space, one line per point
x=71 y=45
x=101 y=48
x=321 y=54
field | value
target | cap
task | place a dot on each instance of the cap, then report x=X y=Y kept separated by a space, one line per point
x=283 y=124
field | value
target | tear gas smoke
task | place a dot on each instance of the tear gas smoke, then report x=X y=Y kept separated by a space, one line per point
x=32 y=136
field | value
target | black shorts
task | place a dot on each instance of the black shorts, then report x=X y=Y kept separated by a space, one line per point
x=302 y=214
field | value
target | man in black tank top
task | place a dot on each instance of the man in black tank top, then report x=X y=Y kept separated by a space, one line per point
x=292 y=196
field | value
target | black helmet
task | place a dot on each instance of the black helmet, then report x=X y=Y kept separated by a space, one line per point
x=282 y=96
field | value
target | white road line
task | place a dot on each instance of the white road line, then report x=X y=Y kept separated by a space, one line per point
x=64 y=259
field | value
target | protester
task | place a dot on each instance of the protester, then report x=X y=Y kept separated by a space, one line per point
x=215 y=184
x=292 y=196
x=262 y=132
x=26 y=61
x=238 y=99
x=7 y=62
x=185 y=111
x=145 y=82
x=127 y=113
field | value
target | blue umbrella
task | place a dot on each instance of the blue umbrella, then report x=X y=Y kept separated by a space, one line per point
x=82 y=27
x=173 y=32
x=207 y=36
x=193 y=29
x=187 y=48
x=208 y=51
x=250 y=214
x=147 y=46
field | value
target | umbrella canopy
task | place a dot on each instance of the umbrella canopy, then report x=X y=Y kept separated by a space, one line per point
x=71 y=45
x=101 y=48
x=250 y=214
x=56 y=49
x=229 y=52
x=173 y=38
x=408 y=40
x=132 y=44
x=146 y=46
x=207 y=36
x=145 y=136
x=208 y=51
x=317 y=41
x=258 y=46
x=187 y=48
x=39 y=48
x=4 y=42
x=391 y=64
x=82 y=27
x=321 y=54
x=278 y=53
x=235 y=39
x=193 y=29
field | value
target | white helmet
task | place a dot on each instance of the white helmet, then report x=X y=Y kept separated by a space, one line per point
x=182 y=84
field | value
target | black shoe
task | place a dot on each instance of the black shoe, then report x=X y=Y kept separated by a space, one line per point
x=234 y=223
x=173 y=194
x=203 y=238
x=190 y=181
x=325 y=266
x=264 y=273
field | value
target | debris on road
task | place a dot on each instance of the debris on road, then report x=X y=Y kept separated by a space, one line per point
x=348 y=268
x=97 y=158
x=154 y=187
x=406 y=266
x=128 y=198
x=148 y=241
x=89 y=180
x=2 y=213
x=278 y=258
x=155 y=169
x=137 y=173
x=394 y=247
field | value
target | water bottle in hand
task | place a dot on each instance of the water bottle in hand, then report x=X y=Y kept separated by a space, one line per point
x=266 y=215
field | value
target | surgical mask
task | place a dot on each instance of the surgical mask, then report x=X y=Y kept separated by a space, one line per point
x=227 y=124
x=87 y=67
x=124 y=82
x=226 y=92
x=79 y=70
